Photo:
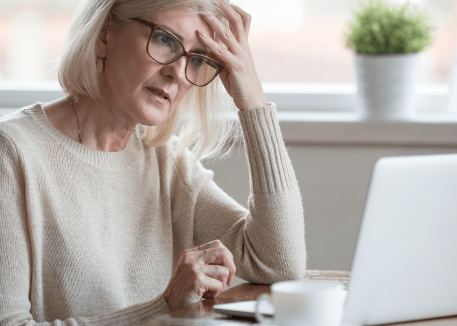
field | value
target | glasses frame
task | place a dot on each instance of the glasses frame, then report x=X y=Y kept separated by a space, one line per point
x=188 y=55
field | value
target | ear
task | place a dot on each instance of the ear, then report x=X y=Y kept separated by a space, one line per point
x=102 y=42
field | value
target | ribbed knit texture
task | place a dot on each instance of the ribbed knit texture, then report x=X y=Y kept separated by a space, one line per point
x=91 y=238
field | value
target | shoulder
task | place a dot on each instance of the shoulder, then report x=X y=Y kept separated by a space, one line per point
x=22 y=138
x=190 y=172
x=18 y=125
x=8 y=150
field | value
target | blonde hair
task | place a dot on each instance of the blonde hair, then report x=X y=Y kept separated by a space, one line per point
x=203 y=120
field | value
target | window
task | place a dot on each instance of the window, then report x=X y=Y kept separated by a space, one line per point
x=303 y=40
x=298 y=47
x=32 y=34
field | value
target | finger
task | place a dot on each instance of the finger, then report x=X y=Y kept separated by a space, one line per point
x=211 y=294
x=234 y=19
x=208 y=245
x=218 y=51
x=207 y=285
x=224 y=33
x=245 y=17
x=214 y=253
x=220 y=256
x=193 y=256
x=216 y=256
x=220 y=273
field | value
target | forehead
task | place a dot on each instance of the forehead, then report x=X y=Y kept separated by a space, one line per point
x=183 y=22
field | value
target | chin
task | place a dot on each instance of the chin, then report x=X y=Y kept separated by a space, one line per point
x=153 y=116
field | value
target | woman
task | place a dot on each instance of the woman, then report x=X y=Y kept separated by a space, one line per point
x=106 y=218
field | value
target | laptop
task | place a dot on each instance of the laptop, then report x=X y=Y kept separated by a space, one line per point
x=405 y=263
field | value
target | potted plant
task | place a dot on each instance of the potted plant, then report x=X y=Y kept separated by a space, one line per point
x=387 y=40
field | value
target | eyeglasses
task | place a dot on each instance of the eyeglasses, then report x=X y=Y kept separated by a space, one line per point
x=165 y=48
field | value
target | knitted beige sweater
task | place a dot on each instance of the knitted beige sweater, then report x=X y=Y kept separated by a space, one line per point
x=91 y=238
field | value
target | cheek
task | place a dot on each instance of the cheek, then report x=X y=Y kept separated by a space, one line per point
x=120 y=77
x=128 y=66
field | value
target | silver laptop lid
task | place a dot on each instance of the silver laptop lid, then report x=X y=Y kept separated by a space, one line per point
x=405 y=264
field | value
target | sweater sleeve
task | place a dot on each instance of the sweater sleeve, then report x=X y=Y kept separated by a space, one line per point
x=16 y=257
x=268 y=239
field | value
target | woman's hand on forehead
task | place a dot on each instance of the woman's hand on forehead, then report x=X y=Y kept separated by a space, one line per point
x=240 y=77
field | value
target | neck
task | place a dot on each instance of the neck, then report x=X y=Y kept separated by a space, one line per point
x=103 y=127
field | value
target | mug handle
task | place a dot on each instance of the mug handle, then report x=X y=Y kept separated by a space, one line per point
x=258 y=316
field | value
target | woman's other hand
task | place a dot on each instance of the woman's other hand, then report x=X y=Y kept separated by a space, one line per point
x=239 y=77
x=201 y=272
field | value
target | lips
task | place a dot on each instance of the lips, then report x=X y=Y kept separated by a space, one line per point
x=159 y=92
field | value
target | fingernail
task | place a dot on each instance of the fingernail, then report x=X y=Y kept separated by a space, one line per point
x=203 y=35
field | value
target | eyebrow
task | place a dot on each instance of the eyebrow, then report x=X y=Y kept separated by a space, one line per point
x=179 y=36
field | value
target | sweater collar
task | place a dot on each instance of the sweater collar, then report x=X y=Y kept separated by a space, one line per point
x=110 y=161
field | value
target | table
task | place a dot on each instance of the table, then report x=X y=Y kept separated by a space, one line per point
x=202 y=313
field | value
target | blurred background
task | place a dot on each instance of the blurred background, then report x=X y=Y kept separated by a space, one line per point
x=292 y=40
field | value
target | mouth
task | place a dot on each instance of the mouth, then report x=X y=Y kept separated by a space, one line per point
x=158 y=93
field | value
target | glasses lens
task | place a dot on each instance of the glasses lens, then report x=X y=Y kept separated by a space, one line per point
x=200 y=70
x=163 y=47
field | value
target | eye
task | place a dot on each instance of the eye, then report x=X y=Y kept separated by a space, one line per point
x=197 y=61
x=166 y=40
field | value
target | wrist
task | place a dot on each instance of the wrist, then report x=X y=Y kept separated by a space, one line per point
x=259 y=104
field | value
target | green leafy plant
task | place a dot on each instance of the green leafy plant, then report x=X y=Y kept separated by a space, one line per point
x=382 y=28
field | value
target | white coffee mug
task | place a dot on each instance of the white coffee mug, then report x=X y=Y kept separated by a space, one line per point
x=304 y=303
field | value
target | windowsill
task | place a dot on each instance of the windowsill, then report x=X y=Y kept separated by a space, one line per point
x=346 y=128
x=351 y=116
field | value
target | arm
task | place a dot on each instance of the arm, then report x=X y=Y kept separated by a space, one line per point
x=16 y=258
x=268 y=240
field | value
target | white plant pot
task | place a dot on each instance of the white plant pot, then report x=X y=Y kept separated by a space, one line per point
x=386 y=85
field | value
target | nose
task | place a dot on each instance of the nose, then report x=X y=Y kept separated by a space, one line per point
x=176 y=70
